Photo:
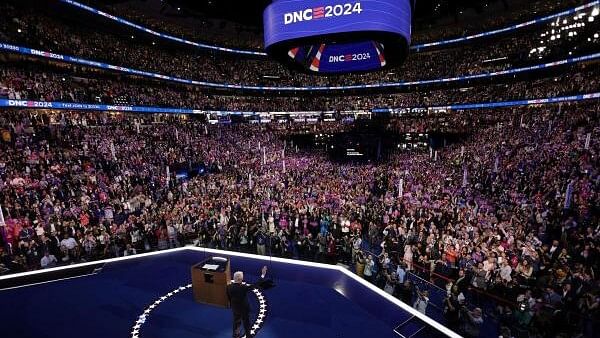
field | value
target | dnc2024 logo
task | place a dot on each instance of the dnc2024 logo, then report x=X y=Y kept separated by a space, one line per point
x=322 y=12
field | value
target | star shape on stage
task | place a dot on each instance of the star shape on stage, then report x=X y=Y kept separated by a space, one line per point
x=262 y=304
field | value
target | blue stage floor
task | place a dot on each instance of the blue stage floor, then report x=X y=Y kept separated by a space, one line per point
x=307 y=302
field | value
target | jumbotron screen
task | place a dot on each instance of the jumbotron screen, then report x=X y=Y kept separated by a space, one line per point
x=337 y=36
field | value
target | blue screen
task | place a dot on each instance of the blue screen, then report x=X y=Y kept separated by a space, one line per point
x=290 y=21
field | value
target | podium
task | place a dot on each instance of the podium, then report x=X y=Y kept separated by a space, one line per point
x=209 y=281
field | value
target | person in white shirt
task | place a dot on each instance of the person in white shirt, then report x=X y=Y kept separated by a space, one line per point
x=135 y=236
x=271 y=222
x=48 y=261
x=69 y=247
x=172 y=233
x=422 y=301
x=345 y=227
x=68 y=242
x=505 y=271
x=401 y=272
x=369 y=265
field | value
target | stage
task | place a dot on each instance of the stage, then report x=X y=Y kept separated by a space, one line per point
x=148 y=296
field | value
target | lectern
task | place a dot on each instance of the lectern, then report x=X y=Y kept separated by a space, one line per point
x=209 y=281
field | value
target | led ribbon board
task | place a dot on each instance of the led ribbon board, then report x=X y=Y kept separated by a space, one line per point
x=338 y=36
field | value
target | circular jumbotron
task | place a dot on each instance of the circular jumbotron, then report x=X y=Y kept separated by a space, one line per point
x=339 y=36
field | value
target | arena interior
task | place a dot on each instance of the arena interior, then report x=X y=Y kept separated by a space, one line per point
x=425 y=168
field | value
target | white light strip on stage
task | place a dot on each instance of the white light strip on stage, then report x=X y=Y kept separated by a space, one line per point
x=45 y=282
x=266 y=258
x=78 y=265
x=345 y=271
x=401 y=304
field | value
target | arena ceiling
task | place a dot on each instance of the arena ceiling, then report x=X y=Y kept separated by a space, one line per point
x=250 y=12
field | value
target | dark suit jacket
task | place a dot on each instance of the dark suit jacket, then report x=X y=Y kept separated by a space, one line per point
x=238 y=297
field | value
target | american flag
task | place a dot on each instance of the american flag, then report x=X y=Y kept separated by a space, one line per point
x=318 y=12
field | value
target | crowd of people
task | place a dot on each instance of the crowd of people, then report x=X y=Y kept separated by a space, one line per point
x=36 y=29
x=198 y=29
x=495 y=232
x=24 y=81
x=511 y=210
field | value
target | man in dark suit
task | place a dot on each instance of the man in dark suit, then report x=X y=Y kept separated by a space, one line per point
x=237 y=293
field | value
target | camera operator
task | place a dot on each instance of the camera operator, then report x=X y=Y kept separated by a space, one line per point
x=261 y=241
x=452 y=309
x=471 y=322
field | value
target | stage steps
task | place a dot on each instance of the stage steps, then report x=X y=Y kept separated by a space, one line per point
x=410 y=327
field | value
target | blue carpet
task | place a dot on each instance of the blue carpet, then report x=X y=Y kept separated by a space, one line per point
x=303 y=304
